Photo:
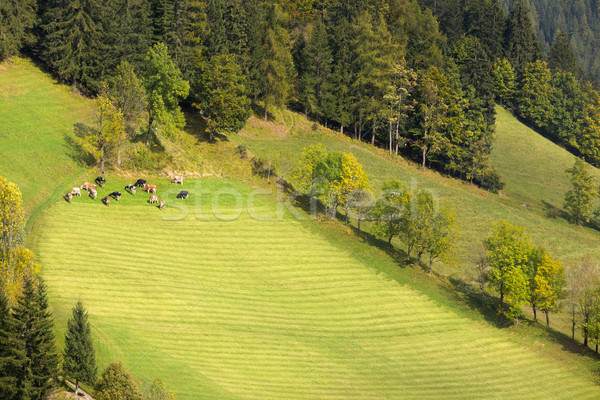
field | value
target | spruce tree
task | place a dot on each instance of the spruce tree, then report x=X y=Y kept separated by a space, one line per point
x=17 y=18
x=74 y=43
x=79 y=361
x=36 y=329
x=521 y=44
x=319 y=68
x=12 y=356
x=562 y=57
x=277 y=62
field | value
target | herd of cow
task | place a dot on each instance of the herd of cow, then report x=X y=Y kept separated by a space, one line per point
x=92 y=191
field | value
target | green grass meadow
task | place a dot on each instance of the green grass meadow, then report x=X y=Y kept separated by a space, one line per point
x=229 y=295
x=252 y=308
x=37 y=117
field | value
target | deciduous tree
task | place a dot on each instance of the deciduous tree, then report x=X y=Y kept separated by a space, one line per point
x=164 y=89
x=116 y=382
x=221 y=94
x=578 y=200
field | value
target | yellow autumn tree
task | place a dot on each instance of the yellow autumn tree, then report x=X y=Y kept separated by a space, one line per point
x=352 y=179
x=12 y=218
x=305 y=174
x=106 y=141
x=549 y=285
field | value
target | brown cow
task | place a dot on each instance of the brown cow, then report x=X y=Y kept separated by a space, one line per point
x=92 y=193
x=177 y=179
x=106 y=200
x=153 y=199
x=161 y=205
x=68 y=197
x=150 y=188
x=88 y=186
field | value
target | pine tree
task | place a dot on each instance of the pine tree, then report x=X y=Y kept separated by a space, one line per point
x=12 y=356
x=521 y=43
x=318 y=72
x=562 y=57
x=185 y=36
x=127 y=29
x=534 y=96
x=36 y=330
x=79 y=361
x=17 y=18
x=277 y=63
x=73 y=42
x=215 y=41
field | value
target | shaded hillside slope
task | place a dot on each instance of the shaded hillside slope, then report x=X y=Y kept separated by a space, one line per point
x=37 y=117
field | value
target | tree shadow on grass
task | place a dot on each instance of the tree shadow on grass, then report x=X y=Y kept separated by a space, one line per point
x=195 y=126
x=76 y=152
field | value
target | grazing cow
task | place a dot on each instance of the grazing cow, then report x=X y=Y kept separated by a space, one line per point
x=100 y=181
x=161 y=205
x=153 y=199
x=88 y=186
x=76 y=192
x=68 y=197
x=116 y=195
x=140 y=182
x=106 y=200
x=92 y=193
x=150 y=188
x=183 y=194
x=177 y=179
x=131 y=189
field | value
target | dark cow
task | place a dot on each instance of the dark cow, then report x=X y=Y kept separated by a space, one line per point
x=140 y=183
x=131 y=189
x=116 y=195
x=106 y=200
x=100 y=181
x=183 y=194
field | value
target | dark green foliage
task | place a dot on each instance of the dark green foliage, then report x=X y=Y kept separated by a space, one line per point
x=127 y=33
x=17 y=18
x=79 y=360
x=164 y=89
x=562 y=57
x=221 y=94
x=72 y=41
x=35 y=326
x=521 y=43
x=12 y=356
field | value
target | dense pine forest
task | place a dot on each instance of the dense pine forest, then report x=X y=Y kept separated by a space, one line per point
x=420 y=78
x=578 y=18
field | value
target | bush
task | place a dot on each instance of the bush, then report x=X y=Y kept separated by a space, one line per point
x=262 y=167
x=489 y=179
x=242 y=150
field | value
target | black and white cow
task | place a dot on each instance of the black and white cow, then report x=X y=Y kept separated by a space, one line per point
x=140 y=183
x=183 y=194
x=100 y=181
x=116 y=195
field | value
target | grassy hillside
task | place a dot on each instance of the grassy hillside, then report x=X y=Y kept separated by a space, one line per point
x=37 y=116
x=256 y=309
x=533 y=167
x=543 y=171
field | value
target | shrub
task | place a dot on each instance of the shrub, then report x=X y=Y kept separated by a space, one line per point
x=262 y=167
x=489 y=179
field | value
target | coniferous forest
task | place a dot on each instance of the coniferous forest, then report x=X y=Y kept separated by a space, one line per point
x=420 y=78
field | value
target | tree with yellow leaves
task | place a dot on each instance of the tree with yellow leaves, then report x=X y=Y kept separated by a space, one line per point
x=549 y=285
x=106 y=141
x=352 y=179
x=12 y=219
